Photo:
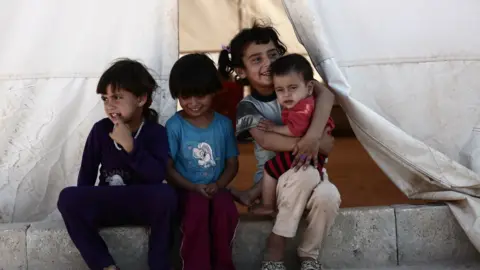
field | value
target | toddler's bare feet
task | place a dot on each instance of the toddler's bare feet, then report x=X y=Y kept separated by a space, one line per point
x=242 y=197
x=263 y=210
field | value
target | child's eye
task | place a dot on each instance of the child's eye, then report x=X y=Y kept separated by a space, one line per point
x=273 y=55
x=257 y=60
x=117 y=97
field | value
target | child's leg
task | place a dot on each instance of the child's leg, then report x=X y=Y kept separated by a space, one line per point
x=269 y=187
x=86 y=209
x=224 y=222
x=195 y=247
x=322 y=208
x=248 y=197
x=293 y=191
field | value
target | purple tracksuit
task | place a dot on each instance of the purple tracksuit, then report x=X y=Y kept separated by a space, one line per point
x=130 y=192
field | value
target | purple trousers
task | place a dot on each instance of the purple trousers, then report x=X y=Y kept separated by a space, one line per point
x=208 y=227
x=85 y=209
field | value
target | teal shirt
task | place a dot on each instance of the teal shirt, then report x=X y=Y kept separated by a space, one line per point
x=200 y=154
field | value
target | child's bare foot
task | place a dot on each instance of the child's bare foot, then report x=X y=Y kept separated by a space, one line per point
x=242 y=197
x=263 y=210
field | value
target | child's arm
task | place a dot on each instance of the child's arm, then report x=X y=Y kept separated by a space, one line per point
x=324 y=100
x=231 y=163
x=90 y=159
x=230 y=171
x=176 y=179
x=150 y=162
x=272 y=141
x=296 y=120
x=173 y=176
x=269 y=126
x=308 y=147
x=247 y=120
x=283 y=130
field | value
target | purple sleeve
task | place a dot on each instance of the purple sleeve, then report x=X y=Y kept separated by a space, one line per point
x=90 y=159
x=149 y=157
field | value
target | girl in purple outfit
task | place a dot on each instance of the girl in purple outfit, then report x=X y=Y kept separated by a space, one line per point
x=131 y=149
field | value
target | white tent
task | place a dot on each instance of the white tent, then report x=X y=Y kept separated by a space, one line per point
x=405 y=72
x=51 y=55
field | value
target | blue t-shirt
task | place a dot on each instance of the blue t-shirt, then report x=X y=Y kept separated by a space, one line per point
x=200 y=154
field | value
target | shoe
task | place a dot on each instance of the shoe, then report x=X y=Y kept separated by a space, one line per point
x=111 y=267
x=311 y=265
x=268 y=265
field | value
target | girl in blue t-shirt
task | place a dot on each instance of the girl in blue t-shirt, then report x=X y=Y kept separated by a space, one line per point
x=131 y=149
x=203 y=161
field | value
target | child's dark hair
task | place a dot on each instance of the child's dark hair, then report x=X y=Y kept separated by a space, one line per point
x=131 y=76
x=292 y=63
x=231 y=57
x=194 y=75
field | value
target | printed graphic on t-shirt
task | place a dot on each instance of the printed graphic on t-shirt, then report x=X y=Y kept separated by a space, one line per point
x=116 y=177
x=203 y=153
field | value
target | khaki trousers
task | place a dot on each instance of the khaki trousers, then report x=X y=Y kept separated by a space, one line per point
x=300 y=192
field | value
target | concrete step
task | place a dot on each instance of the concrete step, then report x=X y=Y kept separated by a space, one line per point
x=438 y=266
x=371 y=238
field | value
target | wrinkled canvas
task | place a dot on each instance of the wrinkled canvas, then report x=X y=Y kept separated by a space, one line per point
x=52 y=53
x=406 y=74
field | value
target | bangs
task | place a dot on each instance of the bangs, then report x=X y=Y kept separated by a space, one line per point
x=194 y=75
x=127 y=75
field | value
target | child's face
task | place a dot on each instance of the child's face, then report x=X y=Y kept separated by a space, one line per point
x=122 y=105
x=196 y=106
x=257 y=59
x=291 y=88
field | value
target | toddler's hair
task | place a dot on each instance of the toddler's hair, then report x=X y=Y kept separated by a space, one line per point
x=231 y=57
x=292 y=63
x=132 y=76
x=194 y=75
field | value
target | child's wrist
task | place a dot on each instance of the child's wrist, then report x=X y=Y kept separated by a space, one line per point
x=128 y=147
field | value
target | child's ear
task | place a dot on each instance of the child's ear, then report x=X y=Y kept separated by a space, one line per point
x=142 y=100
x=241 y=73
x=310 y=86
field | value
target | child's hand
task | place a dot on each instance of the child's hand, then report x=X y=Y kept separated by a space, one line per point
x=202 y=189
x=211 y=189
x=266 y=125
x=122 y=135
x=307 y=150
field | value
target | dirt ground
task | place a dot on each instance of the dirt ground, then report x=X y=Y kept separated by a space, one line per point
x=359 y=179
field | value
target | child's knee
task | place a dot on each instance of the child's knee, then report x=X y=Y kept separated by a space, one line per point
x=162 y=197
x=223 y=203
x=223 y=198
x=326 y=196
x=67 y=199
x=302 y=180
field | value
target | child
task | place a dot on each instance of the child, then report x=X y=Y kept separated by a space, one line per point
x=293 y=81
x=203 y=161
x=249 y=56
x=131 y=149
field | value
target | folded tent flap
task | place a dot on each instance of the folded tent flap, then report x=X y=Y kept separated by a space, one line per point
x=405 y=73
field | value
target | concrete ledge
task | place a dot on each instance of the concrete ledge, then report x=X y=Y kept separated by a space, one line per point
x=13 y=250
x=431 y=234
x=360 y=238
x=49 y=247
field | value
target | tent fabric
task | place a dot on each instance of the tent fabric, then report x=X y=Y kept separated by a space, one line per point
x=52 y=53
x=206 y=25
x=406 y=74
